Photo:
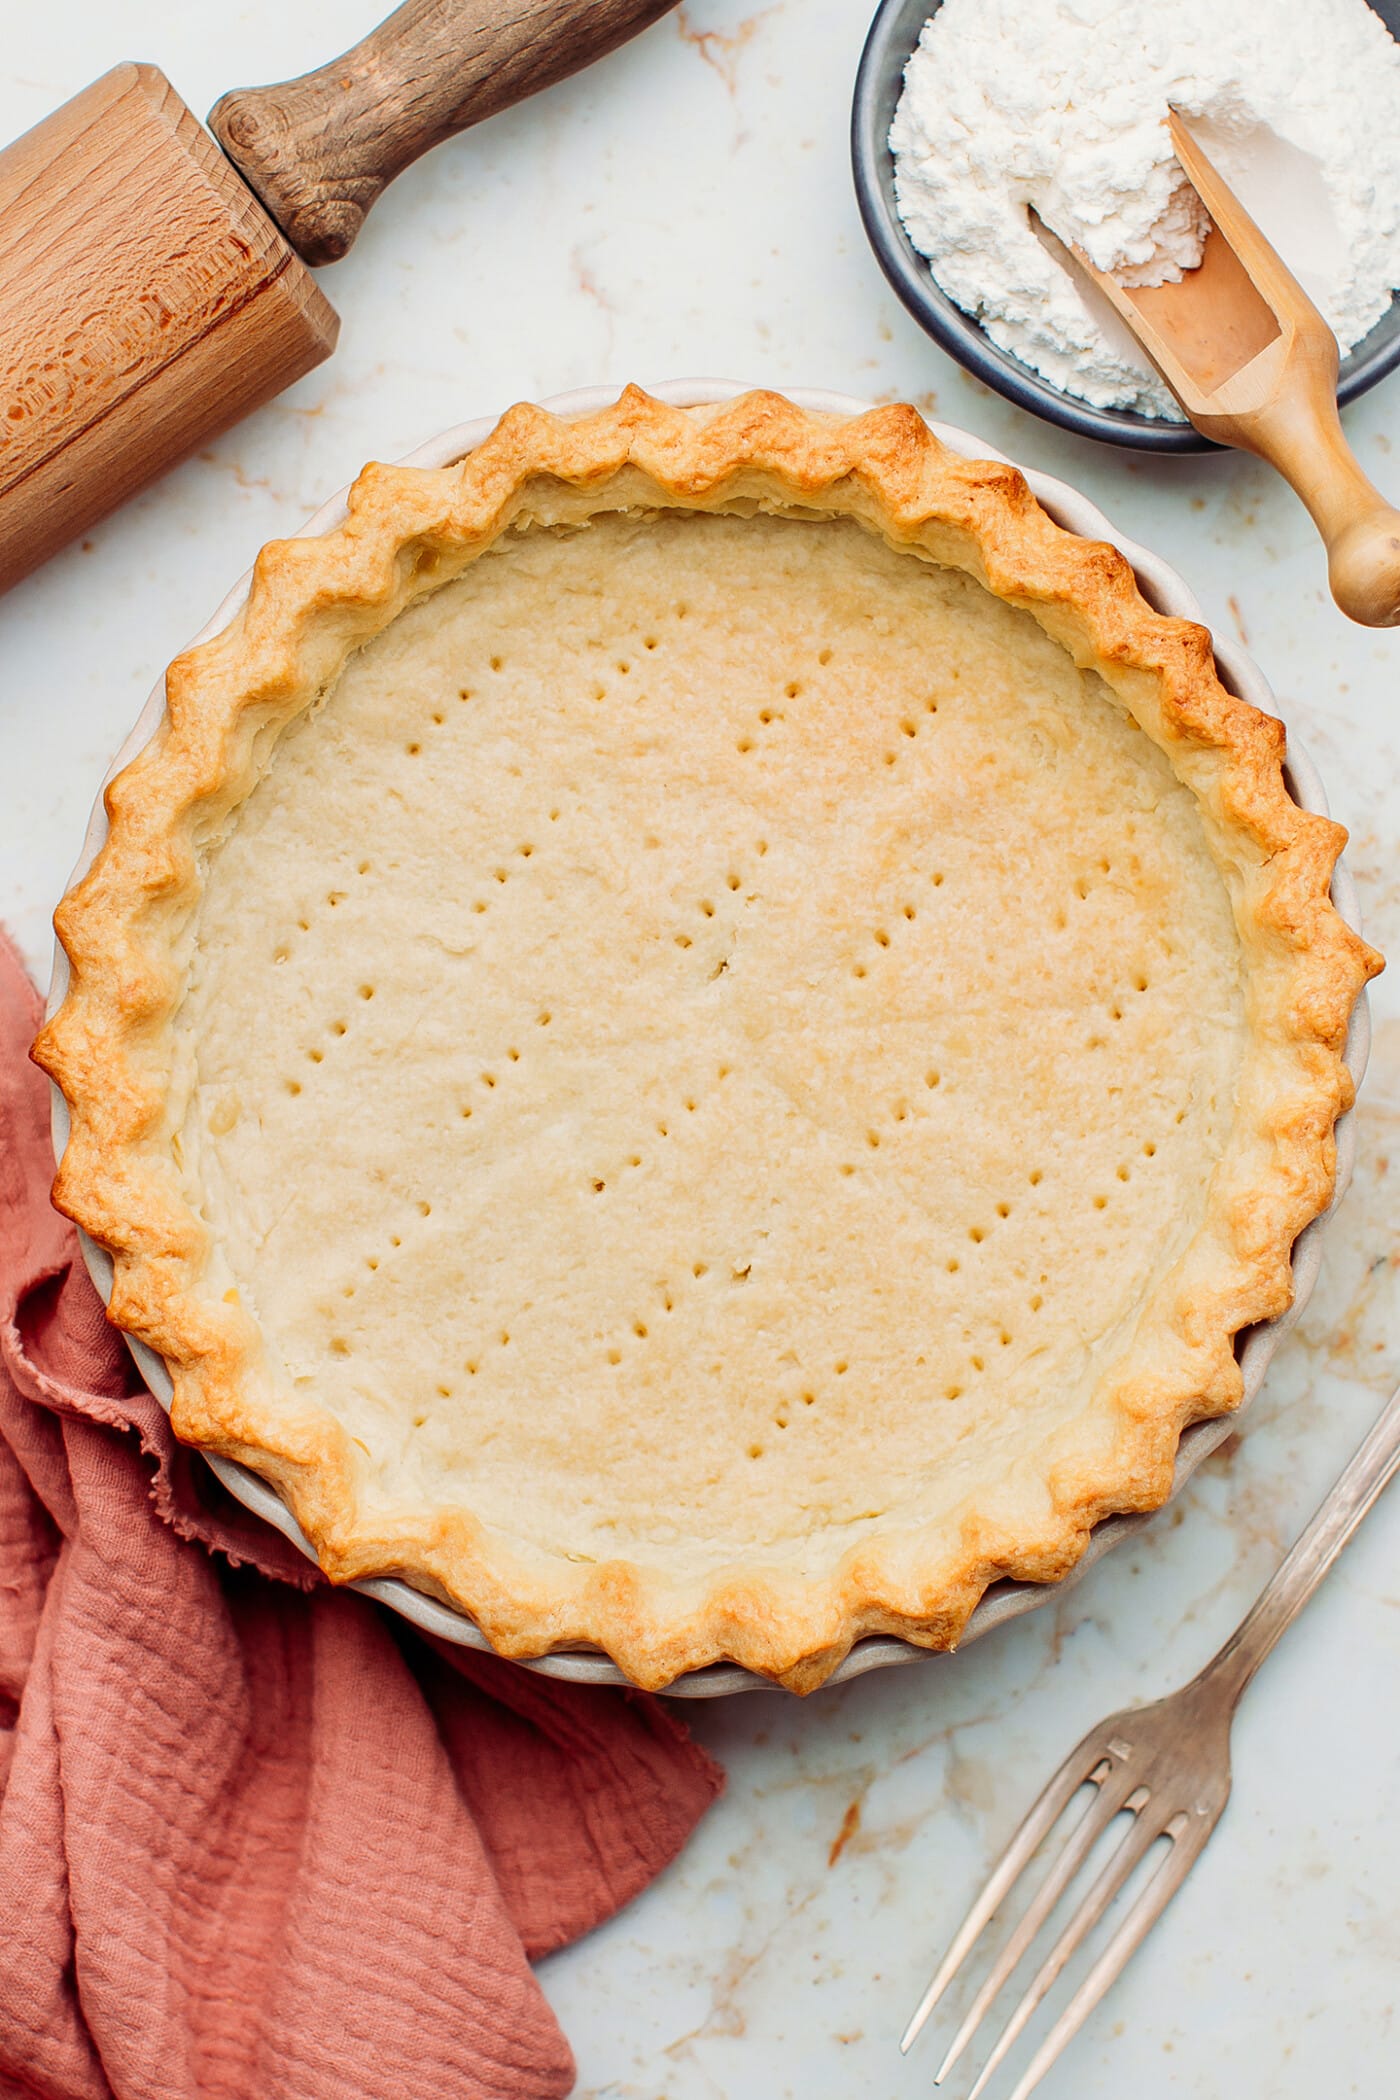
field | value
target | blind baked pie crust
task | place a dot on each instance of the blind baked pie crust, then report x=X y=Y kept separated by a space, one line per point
x=699 y=1032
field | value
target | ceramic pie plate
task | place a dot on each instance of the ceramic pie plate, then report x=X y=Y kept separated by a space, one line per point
x=1005 y=1600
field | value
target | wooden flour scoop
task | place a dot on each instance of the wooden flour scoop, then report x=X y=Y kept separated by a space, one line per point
x=153 y=288
x=1254 y=365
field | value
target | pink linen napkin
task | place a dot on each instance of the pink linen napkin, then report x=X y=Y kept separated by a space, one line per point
x=259 y=1840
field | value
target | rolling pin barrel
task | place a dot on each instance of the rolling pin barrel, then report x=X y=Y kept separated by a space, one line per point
x=319 y=150
x=149 y=299
x=146 y=303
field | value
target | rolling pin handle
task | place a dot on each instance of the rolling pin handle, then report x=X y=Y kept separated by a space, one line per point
x=319 y=150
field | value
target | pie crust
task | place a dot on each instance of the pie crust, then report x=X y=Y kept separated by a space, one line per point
x=699 y=1032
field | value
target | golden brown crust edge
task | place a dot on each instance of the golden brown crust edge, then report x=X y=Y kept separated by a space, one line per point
x=409 y=530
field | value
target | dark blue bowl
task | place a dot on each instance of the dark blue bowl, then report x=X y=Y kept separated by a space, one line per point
x=893 y=35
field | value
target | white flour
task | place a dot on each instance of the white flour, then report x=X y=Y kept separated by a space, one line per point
x=1062 y=104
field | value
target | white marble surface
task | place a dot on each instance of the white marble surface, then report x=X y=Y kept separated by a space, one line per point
x=687 y=208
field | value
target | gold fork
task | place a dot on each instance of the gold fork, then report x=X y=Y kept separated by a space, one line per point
x=1166 y=1765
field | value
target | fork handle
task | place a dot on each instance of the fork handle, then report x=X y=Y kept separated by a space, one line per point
x=1372 y=1468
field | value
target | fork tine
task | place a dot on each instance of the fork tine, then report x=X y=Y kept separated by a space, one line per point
x=1080 y=1842
x=1043 y=1816
x=1188 y=1834
x=1146 y=1830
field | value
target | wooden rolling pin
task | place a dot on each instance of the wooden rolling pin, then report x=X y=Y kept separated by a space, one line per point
x=153 y=288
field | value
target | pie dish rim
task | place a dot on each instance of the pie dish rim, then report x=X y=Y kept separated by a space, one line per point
x=1166 y=590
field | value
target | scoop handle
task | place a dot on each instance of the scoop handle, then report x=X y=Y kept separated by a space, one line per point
x=319 y=150
x=1300 y=433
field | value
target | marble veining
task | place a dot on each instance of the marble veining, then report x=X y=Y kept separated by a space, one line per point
x=686 y=208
